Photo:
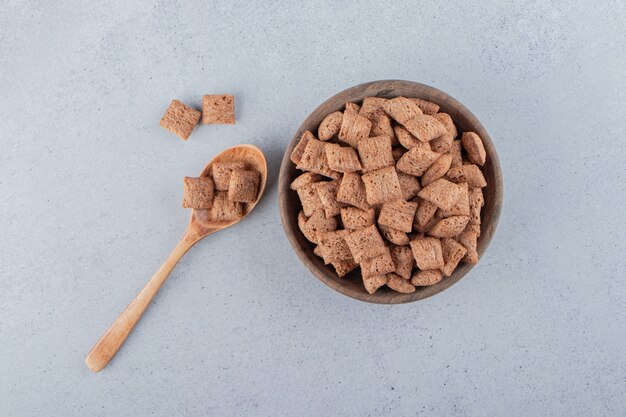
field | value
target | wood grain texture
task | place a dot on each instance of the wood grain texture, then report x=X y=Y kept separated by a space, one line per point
x=289 y=205
x=199 y=227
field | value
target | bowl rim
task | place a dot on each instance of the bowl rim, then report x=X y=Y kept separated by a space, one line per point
x=384 y=88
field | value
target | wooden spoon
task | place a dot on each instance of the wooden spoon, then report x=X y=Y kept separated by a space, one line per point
x=199 y=226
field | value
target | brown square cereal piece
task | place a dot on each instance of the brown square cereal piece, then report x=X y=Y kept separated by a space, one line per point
x=378 y=265
x=354 y=128
x=180 y=119
x=425 y=128
x=398 y=215
x=394 y=236
x=426 y=277
x=327 y=192
x=333 y=246
x=314 y=159
x=409 y=184
x=382 y=185
x=476 y=202
x=424 y=215
x=453 y=252
x=221 y=171
x=344 y=266
x=399 y=284
x=342 y=158
x=406 y=139
x=447 y=121
x=316 y=223
x=474 y=147
x=437 y=170
x=218 y=109
x=426 y=107
x=381 y=126
x=397 y=152
x=427 y=252
x=353 y=107
x=416 y=161
x=401 y=109
x=244 y=186
x=330 y=126
x=198 y=193
x=443 y=193
x=304 y=179
x=449 y=226
x=455 y=151
x=352 y=191
x=365 y=243
x=462 y=206
x=223 y=209
x=469 y=239
x=371 y=105
x=374 y=282
x=375 y=153
x=309 y=198
x=403 y=260
x=470 y=174
x=298 y=150
x=473 y=228
x=442 y=144
x=354 y=218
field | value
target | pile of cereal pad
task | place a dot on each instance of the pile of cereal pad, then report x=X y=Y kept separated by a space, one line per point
x=389 y=188
x=224 y=192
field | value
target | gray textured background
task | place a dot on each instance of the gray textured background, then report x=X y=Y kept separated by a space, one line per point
x=90 y=195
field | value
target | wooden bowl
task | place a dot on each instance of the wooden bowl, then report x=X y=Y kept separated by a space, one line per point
x=289 y=204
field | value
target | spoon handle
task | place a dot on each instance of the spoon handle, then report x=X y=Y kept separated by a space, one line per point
x=110 y=342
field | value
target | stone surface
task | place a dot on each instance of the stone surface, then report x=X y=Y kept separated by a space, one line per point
x=91 y=188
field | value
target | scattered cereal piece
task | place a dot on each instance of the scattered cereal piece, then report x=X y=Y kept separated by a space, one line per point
x=354 y=128
x=455 y=151
x=425 y=278
x=221 y=172
x=468 y=173
x=382 y=185
x=469 y=239
x=180 y=119
x=375 y=153
x=365 y=243
x=378 y=265
x=327 y=192
x=437 y=170
x=409 y=185
x=330 y=126
x=424 y=215
x=442 y=144
x=449 y=226
x=474 y=147
x=333 y=246
x=426 y=106
x=218 y=109
x=453 y=252
x=371 y=105
x=309 y=198
x=316 y=223
x=352 y=191
x=476 y=202
x=394 y=236
x=344 y=266
x=447 y=121
x=305 y=179
x=298 y=150
x=381 y=126
x=198 y=193
x=416 y=161
x=354 y=218
x=314 y=159
x=443 y=193
x=427 y=252
x=402 y=257
x=398 y=215
x=399 y=284
x=374 y=282
x=462 y=205
x=401 y=109
x=244 y=186
x=425 y=128
x=223 y=209
x=342 y=158
x=409 y=141
x=353 y=107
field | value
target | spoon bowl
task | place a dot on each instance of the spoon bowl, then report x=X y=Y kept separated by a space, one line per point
x=200 y=226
